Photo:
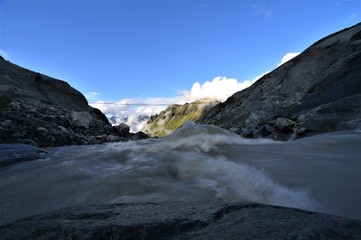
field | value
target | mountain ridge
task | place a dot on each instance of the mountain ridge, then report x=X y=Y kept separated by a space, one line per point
x=317 y=91
x=43 y=111
x=175 y=116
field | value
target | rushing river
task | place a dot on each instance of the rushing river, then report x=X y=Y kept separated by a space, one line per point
x=197 y=163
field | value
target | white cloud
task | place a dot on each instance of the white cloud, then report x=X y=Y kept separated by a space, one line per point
x=288 y=57
x=4 y=54
x=220 y=88
x=132 y=111
x=92 y=96
x=95 y=93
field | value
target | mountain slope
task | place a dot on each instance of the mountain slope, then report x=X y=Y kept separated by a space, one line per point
x=43 y=111
x=317 y=91
x=175 y=115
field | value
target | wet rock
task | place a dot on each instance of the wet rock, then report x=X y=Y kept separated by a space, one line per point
x=182 y=221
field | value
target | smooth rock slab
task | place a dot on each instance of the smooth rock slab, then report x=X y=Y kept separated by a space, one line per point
x=182 y=221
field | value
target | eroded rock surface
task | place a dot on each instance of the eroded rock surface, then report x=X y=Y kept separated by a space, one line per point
x=182 y=221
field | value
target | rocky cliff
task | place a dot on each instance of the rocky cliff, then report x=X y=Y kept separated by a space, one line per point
x=175 y=115
x=317 y=91
x=43 y=111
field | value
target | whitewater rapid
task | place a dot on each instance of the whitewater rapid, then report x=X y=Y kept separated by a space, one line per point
x=197 y=163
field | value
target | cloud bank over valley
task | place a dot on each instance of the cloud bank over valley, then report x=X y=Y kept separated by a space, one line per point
x=135 y=112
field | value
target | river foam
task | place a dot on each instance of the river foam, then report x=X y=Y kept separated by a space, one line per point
x=197 y=163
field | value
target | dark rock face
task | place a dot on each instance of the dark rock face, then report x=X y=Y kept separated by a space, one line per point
x=42 y=111
x=32 y=88
x=319 y=90
x=182 y=221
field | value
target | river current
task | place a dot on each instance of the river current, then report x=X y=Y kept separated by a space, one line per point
x=197 y=163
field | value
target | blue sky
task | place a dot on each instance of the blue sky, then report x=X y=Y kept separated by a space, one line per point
x=142 y=49
x=162 y=51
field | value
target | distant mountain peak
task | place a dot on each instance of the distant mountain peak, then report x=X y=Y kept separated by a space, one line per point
x=176 y=115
